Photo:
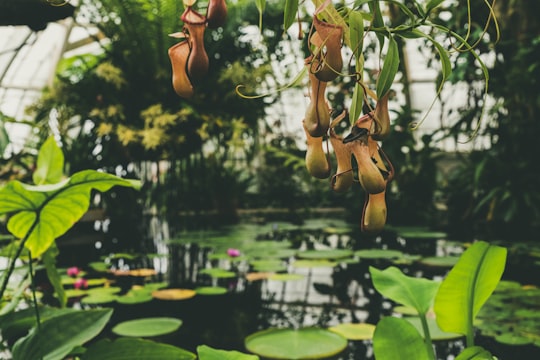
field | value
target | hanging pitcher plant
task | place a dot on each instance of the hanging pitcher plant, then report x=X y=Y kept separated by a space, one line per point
x=331 y=29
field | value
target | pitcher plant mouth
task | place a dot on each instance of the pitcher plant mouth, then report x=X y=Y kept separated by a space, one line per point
x=327 y=61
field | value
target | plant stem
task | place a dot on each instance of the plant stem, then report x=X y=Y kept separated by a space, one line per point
x=33 y=288
x=11 y=266
x=427 y=336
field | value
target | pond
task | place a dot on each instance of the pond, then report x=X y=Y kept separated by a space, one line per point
x=231 y=286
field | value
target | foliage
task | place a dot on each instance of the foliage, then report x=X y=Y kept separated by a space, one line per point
x=501 y=199
x=456 y=301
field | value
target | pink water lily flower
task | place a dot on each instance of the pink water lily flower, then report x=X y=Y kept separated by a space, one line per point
x=80 y=283
x=233 y=252
x=73 y=271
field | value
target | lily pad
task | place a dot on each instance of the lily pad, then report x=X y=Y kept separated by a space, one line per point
x=135 y=297
x=147 y=327
x=255 y=276
x=378 y=254
x=270 y=265
x=313 y=263
x=332 y=254
x=99 y=299
x=513 y=339
x=218 y=273
x=439 y=261
x=286 y=277
x=350 y=331
x=307 y=343
x=173 y=294
x=211 y=290
x=421 y=234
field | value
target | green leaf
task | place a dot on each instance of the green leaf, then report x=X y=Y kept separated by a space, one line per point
x=397 y=339
x=43 y=213
x=356 y=32
x=58 y=335
x=377 y=21
x=356 y=103
x=474 y=353
x=289 y=13
x=50 y=164
x=49 y=260
x=17 y=324
x=4 y=137
x=207 y=353
x=432 y=4
x=135 y=349
x=467 y=287
x=389 y=69
x=147 y=327
x=415 y=292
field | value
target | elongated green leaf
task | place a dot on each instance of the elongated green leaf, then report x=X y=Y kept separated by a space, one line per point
x=356 y=103
x=4 y=137
x=356 y=32
x=389 y=69
x=397 y=339
x=50 y=163
x=16 y=324
x=474 y=353
x=289 y=13
x=432 y=4
x=417 y=293
x=135 y=349
x=467 y=287
x=207 y=353
x=377 y=21
x=49 y=260
x=43 y=213
x=58 y=335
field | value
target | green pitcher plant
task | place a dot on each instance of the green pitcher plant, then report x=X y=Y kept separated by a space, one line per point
x=334 y=26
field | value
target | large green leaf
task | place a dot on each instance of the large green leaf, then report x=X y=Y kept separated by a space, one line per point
x=57 y=336
x=289 y=13
x=147 y=327
x=50 y=163
x=135 y=349
x=356 y=32
x=397 y=339
x=415 y=292
x=474 y=353
x=43 y=213
x=17 y=323
x=389 y=69
x=467 y=287
x=207 y=353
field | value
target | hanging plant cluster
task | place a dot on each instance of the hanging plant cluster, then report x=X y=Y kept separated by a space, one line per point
x=189 y=59
x=374 y=170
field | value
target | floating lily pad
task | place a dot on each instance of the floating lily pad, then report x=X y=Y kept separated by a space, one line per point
x=218 y=273
x=73 y=293
x=439 y=261
x=211 y=290
x=378 y=254
x=135 y=272
x=513 y=339
x=155 y=286
x=313 y=263
x=173 y=294
x=97 y=282
x=286 y=277
x=147 y=327
x=271 y=265
x=352 y=331
x=255 y=276
x=434 y=329
x=331 y=254
x=99 y=299
x=421 y=234
x=337 y=231
x=307 y=343
x=99 y=266
x=103 y=290
x=135 y=297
